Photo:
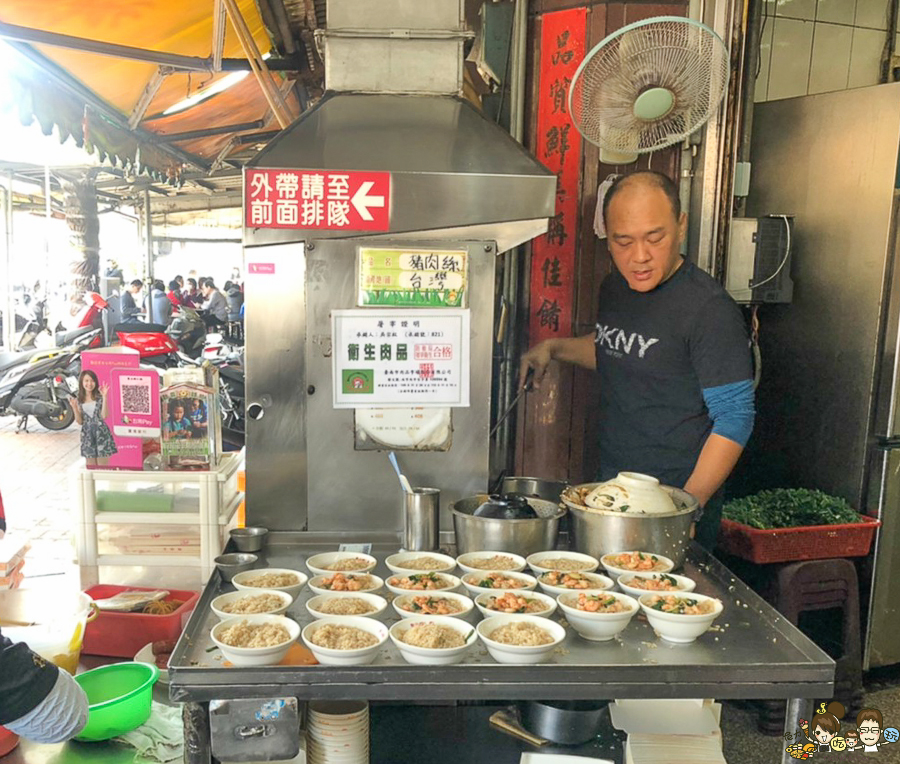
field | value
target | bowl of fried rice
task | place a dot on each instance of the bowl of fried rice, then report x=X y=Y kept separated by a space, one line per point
x=255 y=640
x=245 y=602
x=520 y=638
x=346 y=603
x=435 y=642
x=279 y=579
x=346 y=640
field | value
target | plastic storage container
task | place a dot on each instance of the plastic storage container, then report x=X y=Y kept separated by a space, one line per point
x=811 y=542
x=122 y=634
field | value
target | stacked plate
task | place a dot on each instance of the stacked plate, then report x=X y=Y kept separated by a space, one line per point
x=337 y=732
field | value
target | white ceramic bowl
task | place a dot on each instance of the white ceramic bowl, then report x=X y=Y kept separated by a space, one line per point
x=468 y=580
x=536 y=561
x=680 y=628
x=603 y=583
x=465 y=602
x=318 y=562
x=316 y=584
x=330 y=657
x=395 y=562
x=598 y=627
x=549 y=604
x=451 y=581
x=248 y=575
x=255 y=656
x=378 y=603
x=225 y=599
x=514 y=653
x=430 y=656
x=465 y=561
x=683 y=583
x=663 y=565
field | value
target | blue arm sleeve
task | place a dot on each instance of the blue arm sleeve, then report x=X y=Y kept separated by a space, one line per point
x=731 y=410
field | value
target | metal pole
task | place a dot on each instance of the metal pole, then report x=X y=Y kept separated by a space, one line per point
x=148 y=234
x=48 y=213
x=517 y=71
x=9 y=307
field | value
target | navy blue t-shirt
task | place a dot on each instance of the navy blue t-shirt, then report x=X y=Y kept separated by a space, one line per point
x=656 y=353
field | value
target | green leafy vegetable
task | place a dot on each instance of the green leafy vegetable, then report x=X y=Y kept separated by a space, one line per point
x=790 y=508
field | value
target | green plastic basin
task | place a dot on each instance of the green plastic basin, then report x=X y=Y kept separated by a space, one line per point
x=119 y=697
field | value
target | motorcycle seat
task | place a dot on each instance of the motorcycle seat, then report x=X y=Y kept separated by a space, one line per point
x=67 y=338
x=12 y=358
x=229 y=372
x=131 y=327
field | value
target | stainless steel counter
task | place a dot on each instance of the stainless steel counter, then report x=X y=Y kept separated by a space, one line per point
x=752 y=653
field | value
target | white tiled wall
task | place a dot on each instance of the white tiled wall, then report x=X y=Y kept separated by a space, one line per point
x=814 y=46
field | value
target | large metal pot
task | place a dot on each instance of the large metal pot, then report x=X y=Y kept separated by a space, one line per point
x=548 y=490
x=524 y=537
x=599 y=532
x=570 y=722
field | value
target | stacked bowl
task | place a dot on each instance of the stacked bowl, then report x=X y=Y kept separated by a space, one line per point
x=337 y=732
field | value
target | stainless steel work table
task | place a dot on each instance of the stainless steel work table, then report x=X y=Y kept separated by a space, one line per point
x=752 y=652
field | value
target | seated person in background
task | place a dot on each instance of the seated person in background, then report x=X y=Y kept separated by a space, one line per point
x=174 y=293
x=177 y=425
x=127 y=301
x=191 y=296
x=234 y=298
x=159 y=309
x=198 y=418
x=216 y=309
x=37 y=700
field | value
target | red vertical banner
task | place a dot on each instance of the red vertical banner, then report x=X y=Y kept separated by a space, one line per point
x=558 y=147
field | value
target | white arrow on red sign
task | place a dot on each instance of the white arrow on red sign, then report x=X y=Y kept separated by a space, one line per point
x=362 y=201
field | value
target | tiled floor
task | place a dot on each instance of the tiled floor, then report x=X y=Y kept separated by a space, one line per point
x=36 y=494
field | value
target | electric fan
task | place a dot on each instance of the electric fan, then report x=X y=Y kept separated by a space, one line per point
x=648 y=85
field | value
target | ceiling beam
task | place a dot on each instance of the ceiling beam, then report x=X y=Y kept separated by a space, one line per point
x=218 y=40
x=260 y=69
x=150 y=91
x=14 y=33
x=266 y=136
x=195 y=202
x=206 y=132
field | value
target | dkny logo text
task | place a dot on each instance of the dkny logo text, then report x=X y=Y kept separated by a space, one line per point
x=618 y=341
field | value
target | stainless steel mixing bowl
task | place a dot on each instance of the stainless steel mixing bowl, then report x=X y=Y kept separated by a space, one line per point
x=523 y=537
x=599 y=532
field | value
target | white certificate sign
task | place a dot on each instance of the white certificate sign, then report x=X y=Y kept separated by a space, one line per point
x=393 y=357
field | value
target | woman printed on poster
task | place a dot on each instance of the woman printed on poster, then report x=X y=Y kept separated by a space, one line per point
x=91 y=410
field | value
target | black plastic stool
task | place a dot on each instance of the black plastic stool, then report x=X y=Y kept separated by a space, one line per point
x=801 y=587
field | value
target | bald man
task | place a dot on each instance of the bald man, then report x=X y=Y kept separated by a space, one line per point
x=672 y=352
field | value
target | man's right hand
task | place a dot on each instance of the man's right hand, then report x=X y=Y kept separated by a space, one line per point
x=537 y=358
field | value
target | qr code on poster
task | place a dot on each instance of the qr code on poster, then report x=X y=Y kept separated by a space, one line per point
x=135 y=398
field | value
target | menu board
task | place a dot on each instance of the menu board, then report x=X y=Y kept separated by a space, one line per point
x=393 y=358
x=427 y=278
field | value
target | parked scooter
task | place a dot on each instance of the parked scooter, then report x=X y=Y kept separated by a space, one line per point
x=34 y=384
x=160 y=345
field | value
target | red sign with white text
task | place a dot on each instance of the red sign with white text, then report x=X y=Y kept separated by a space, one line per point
x=558 y=146
x=332 y=200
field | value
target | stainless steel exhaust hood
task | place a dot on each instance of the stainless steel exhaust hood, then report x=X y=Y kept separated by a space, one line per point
x=454 y=173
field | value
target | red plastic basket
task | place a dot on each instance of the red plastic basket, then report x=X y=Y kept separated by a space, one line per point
x=808 y=542
x=122 y=635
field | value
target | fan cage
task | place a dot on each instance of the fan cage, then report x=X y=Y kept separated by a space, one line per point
x=682 y=55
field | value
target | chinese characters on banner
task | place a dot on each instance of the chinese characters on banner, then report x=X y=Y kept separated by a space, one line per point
x=393 y=358
x=317 y=199
x=558 y=146
x=412 y=277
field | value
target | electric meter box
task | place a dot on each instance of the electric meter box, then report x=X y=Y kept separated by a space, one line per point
x=758 y=262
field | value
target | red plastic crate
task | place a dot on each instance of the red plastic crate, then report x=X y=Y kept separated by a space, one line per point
x=810 y=542
x=122 y=634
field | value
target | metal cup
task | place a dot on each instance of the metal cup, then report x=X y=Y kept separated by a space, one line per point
x=421 y=512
